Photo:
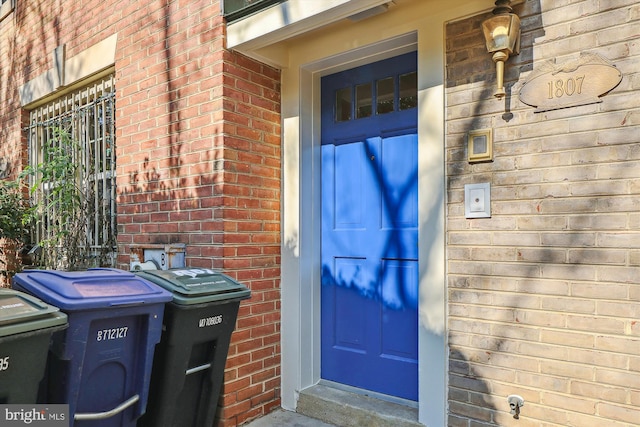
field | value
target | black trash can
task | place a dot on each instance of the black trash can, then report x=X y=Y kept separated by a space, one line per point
x=26 y=326
x=188 y=367
x=100 y=365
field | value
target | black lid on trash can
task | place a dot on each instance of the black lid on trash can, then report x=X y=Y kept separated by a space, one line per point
x=196 y=285
x=20 y=312
x=90 y=289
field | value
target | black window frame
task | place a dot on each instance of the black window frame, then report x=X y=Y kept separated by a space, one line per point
x=231 y=12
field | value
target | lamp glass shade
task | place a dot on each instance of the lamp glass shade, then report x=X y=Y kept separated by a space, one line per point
x=501 y=32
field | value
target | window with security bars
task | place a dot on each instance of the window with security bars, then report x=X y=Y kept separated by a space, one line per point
x=72 y=176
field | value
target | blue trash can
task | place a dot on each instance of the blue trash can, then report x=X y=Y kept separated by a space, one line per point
x=100 y=365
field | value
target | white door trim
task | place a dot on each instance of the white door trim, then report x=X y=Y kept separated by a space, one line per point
x=301 y=224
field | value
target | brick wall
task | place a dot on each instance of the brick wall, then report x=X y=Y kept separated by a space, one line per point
x=199 y=163
x=12 y=143
x=544 y=296
x=198 y=153
x=250 y=215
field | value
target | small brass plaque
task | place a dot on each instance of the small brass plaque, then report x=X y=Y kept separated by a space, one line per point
x=580 y=82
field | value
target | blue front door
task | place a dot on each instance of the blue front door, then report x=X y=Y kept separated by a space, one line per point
x=369 y=255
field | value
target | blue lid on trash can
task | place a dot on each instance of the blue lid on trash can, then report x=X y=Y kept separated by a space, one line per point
x=196 y=285
x=20 y=312
x=90 y=289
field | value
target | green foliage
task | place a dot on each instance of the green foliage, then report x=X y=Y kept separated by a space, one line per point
x=59 y=204
x=14 y=212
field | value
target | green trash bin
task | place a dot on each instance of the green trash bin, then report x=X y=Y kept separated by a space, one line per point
x=26 y=326
x=188 y=366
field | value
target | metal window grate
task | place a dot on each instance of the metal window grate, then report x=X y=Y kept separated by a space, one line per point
x=87 y=117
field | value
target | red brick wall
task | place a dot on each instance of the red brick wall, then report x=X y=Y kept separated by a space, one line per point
x=199 y=163
x=13 y=145
x=251 y=237
x=198 y=153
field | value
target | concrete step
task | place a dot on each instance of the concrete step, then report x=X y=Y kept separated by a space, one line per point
x=346 y=409
x=282 y=418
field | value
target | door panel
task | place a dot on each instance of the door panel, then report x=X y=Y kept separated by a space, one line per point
x=399 y=314
x=350 y=208
x=349 y=336
x=400 y=204
x=369 y=294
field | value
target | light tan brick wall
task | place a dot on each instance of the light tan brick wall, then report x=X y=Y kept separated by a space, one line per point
x=544 y=296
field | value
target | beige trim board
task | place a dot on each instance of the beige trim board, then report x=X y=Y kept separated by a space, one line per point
x=7 y=8
x=67 y=72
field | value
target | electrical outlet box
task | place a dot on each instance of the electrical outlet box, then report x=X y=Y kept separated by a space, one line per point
x=162 y=257
x=477 y=200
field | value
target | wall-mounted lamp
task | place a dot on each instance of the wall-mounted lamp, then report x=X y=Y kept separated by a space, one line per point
x=502 y=34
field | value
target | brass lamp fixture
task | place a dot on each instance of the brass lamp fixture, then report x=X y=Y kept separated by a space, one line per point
x=502 y=34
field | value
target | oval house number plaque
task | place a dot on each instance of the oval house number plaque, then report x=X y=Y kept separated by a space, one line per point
x=579 y=82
